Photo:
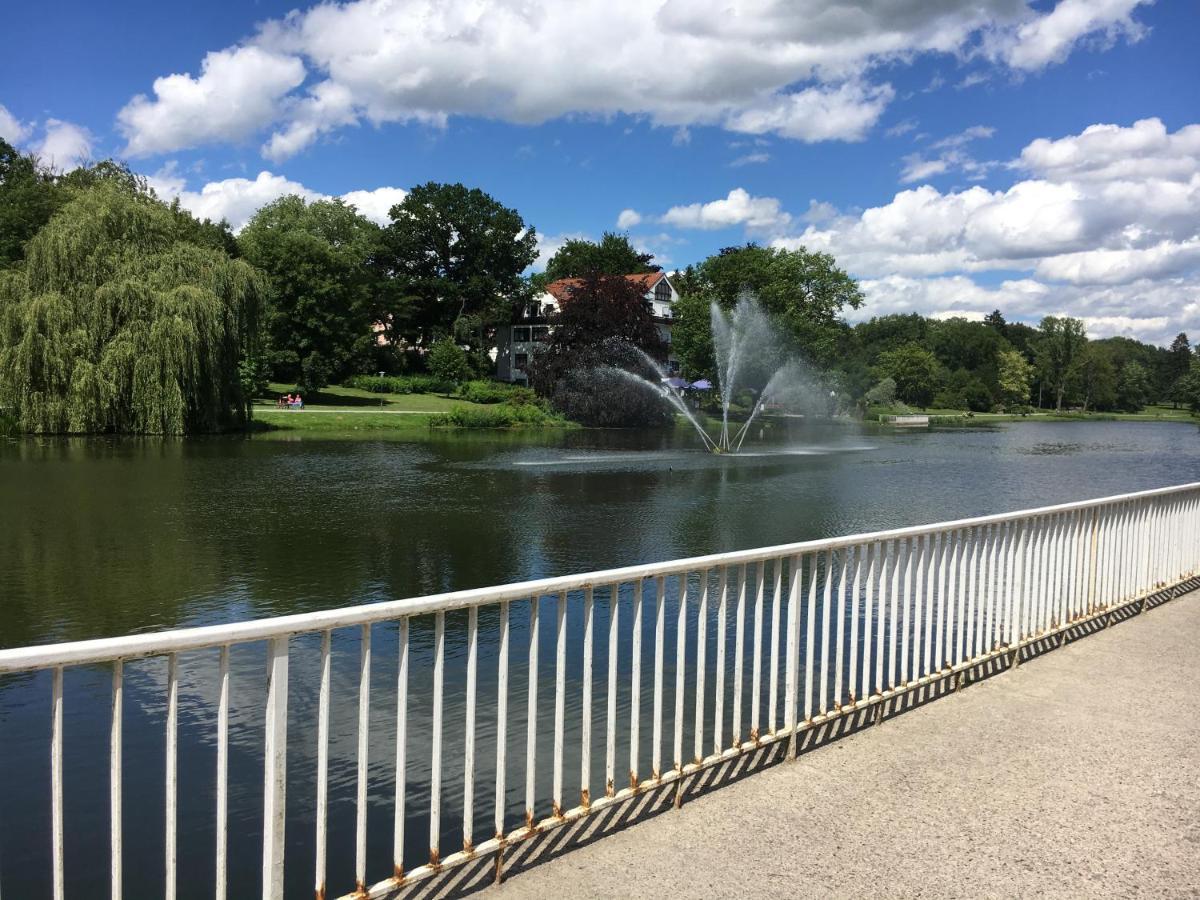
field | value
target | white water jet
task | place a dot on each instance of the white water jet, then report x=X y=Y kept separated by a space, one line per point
x=749 y=352
x=662 y=390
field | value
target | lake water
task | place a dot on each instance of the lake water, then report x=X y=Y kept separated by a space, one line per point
x=107 y=537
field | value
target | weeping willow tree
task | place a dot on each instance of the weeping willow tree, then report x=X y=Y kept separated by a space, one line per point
x=117 y=322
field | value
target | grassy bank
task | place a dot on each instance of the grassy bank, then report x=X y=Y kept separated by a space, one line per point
x=955 y=416
x=346 y=409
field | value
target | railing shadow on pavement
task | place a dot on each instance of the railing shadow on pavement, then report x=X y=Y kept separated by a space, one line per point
x=543 y=847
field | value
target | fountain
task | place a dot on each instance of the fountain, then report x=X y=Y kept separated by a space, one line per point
x=748 y=353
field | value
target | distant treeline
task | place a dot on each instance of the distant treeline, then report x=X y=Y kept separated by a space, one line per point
x=122 y=313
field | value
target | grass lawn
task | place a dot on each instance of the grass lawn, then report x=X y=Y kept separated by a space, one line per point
x=344 y=399
x=1149 y=414
x=343 y=410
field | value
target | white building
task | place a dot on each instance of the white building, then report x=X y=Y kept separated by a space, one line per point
x=518 y=342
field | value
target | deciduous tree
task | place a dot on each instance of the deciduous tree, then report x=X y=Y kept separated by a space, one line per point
x=116 y=322
x=456 y=256
x=612 y=255
x=319 y=261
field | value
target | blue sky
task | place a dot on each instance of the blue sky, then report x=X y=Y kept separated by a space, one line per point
x=955 y=156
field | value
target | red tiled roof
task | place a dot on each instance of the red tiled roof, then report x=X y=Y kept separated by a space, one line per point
x=561 y=289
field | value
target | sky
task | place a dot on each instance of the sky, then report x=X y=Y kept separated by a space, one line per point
x=956 y=156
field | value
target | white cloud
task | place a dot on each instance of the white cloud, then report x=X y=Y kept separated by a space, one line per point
x=13 y=129
x=1146 y=310
x=750 y=159
x=801 y=69
x=238 y=91
x=737 y=208
x=64 y=145
x=902 y=128
x=549 y=244
x=952 y=156
x=1106 y=230
x=917 y=168
x=376 y=204
x=1050 y=38
x=846 y=112
x=1109 y=152
x=629 y=218
x=236 y=200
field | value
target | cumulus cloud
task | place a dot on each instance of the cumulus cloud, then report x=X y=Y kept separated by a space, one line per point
x=1147 y=310
x=13 y=129
x=1111 y=152
x=800 y=69
x=1113 y=204
x=629 y=218
x=738 y=208
x=64 y=145
x=376 y=204
x=1050 y=38
x=238 y=91
x=1104 y=228
x=549 y=244
x=236 y=200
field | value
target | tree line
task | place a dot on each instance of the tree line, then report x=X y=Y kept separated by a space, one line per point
x=121 y=312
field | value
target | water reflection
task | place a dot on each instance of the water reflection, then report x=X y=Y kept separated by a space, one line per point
x=105 y=537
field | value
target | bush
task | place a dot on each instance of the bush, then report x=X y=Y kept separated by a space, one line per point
x=502 y=415
x=495 y=392
x=399 y=384
x=608 y=385
x=883 y=394
x=448 y=361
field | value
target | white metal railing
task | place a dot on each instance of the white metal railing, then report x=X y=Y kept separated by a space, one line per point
x=835 y=626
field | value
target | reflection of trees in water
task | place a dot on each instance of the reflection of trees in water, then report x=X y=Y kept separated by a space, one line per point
x=97 y=539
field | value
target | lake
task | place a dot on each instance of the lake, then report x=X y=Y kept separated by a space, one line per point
x=103 y=537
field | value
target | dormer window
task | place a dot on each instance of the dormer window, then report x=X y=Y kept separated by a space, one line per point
x=662 y=292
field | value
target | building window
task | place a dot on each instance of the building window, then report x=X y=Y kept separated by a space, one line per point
x=520 y=334
x=540 y=333
x=522 y=361
x=662 y=292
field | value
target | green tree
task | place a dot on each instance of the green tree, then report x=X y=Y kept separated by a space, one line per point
x=882 y=394
x=915 y=370
x=805 y=292
x=1178 y=366
x=1133 y=387
x=1097 y=378
x=448 y=362
x=964 y=390
x=116 y=323
x=1189 y=387
x=1059 y=353
x=456 y=256
x=1014 y=375
x=318 y=258
x=27 y=201
x=613 y=255
x=691 y=335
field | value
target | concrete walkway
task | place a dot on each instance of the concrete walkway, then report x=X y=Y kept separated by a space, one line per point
x=1075 y=775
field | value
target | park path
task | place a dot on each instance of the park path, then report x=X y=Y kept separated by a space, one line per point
x=1077 y=774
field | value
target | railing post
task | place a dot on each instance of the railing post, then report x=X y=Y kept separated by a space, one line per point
x=275 y=769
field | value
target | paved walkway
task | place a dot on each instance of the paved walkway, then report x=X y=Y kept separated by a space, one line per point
x=1076 y=775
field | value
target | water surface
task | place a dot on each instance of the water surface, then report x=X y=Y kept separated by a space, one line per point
x=102 y=537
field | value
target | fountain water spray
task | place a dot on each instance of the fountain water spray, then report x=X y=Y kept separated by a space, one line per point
x=748 y=352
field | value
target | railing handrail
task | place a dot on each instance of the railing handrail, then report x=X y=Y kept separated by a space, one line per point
x=101 y=650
